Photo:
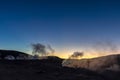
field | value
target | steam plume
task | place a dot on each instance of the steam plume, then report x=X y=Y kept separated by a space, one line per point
x=76 y=55
x=41 y=49
x=105 y=48
x=51 y=49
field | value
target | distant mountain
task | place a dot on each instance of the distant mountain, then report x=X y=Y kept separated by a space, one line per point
x=12 y=54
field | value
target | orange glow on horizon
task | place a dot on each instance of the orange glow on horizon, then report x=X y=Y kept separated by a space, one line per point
x=88 y=54
x=65 y=56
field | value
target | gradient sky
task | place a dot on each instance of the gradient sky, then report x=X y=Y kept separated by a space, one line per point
x=67 y=25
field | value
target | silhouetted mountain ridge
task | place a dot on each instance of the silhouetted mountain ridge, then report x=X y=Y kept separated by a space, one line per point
x=13 y=53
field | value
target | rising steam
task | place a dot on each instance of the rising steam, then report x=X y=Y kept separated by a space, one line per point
x=105 y=48
x=76 y=55
x=41 y=49
x=52 y=51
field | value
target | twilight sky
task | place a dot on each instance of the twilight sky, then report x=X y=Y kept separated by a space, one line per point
x=67 y=25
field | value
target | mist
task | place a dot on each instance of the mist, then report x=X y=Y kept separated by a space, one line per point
x=41 y=49
x=101 y=48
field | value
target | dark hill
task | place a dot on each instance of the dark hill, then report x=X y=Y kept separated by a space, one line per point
x=15 y=54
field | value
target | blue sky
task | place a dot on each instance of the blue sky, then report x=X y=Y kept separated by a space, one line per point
x=65 y=24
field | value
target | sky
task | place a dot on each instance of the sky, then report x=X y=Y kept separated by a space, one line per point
x=67 y=25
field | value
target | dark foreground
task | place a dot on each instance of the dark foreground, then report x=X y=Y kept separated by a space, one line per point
x=48 y=69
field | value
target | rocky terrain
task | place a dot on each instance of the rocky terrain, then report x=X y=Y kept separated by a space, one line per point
x=46 y=69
